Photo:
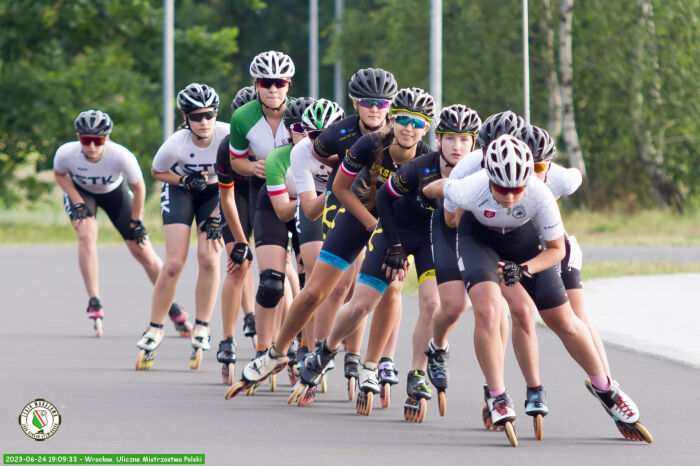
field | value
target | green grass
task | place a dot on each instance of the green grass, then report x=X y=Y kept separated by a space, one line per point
x=641 y=228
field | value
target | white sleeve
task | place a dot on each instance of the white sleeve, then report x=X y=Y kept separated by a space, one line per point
x=548 y=217
x=166 y=156
x=462 y=192
x=129 y=166
x=563 y=181
x=59 y=160
x=468 y=165
x=301 y=172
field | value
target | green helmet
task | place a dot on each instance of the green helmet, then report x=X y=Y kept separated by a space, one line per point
x=321 y=114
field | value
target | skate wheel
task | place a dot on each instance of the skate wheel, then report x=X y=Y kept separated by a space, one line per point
x=98 y=328
x=442 y=403
x=422 y=410
x=368 y=403
x=139 y=360
x=292 y=375
x=634 y=431
x=196 y=359
x=510 y=433
x=385 y=395
x=296 y=392
x=538 y=425
x=351 y=388
x=324 y=384
x=486 y=417
x=273 y=383
x=235 y=389
x=302 y=396
x=227 y=371
x=641 y=430
x=251 y=390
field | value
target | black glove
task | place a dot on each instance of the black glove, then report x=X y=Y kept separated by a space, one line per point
x=137 y=232
x=512 y=272
x=240 y=253
x=193 y=182
x=79 y=211
x=212 y=226
x=395 y=258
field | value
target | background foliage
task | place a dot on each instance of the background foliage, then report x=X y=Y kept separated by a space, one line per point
x=60 y=57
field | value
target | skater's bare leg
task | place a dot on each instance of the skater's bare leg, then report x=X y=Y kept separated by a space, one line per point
x=208 y=253
x=86 y=230
x=453 y=302
x=177 y=240
x=428 y=303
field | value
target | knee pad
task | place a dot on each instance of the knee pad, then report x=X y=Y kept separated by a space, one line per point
x=270 y=288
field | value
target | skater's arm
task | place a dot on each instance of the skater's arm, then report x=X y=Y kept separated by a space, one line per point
x=284 y=207
x=139 y=190
x=66 y=183
x=228 y=205
x=341 y=189
x=312 y=204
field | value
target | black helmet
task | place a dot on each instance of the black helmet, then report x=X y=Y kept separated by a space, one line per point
x=459 y=119
x=539 y=141
x=93 y=122
x=372 y=83
x=295 y=109
x=414 y=100
x=196 y=96
x=243 y=96
x=497 y=125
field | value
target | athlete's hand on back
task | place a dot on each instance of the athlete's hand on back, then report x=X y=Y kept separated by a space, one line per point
x=434 y=189
x=395 y=263
x=259 y=169
x=511 y=272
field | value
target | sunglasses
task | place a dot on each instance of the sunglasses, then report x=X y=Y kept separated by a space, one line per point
x=88 y=139
x=369 y=103
x=502 y=190
x=202 y=115
x=297 y=128
x=405 y=120
x=313 y=134
x=267 y=83
x=541 y=167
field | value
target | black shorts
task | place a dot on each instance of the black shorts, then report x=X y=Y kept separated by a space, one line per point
x=344 y=241
x=569 y=275
x=116 y=203
x=414 y=242
x=177 y=205
x=268 y=229
x=330 y=209
x=479 y=249
x=307 y=230
x=241 y=191
x=442 y=239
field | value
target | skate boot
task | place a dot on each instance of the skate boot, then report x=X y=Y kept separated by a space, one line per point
x=96 y=313
x=179 y=318
x=311 y=373
x=352 y=372
x=367 y=387
x=148 y=344
x=249 y=327
x=388 y=376
x=200 y=343
x=622 y=410
x=418 y=395
x=486 y=412
x=257 y=370
x=330 y=367
x=536 y=406
x=503 y=414
x=437 y=373
x=296 y=362
x=227 y=357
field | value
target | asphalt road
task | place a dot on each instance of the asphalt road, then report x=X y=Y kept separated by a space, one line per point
x=49 y=352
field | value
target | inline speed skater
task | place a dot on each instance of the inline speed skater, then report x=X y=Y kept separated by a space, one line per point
x=507 y=215
x=185 y=163
x=96 y=172
x=371 y=91
x=379 y=154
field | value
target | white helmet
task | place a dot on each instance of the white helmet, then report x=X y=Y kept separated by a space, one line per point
x=539 y=141
x=509 y=162
x=272 y=64
x=320 y=115
x=497 y=125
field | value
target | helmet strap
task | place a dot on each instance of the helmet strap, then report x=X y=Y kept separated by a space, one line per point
x=271 y=108
x=448 y=164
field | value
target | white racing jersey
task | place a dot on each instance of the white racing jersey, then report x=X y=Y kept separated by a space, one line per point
x=180 y=154
x=537 y=203
x=99 y=177
x=562 y=181
x=309 y=174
